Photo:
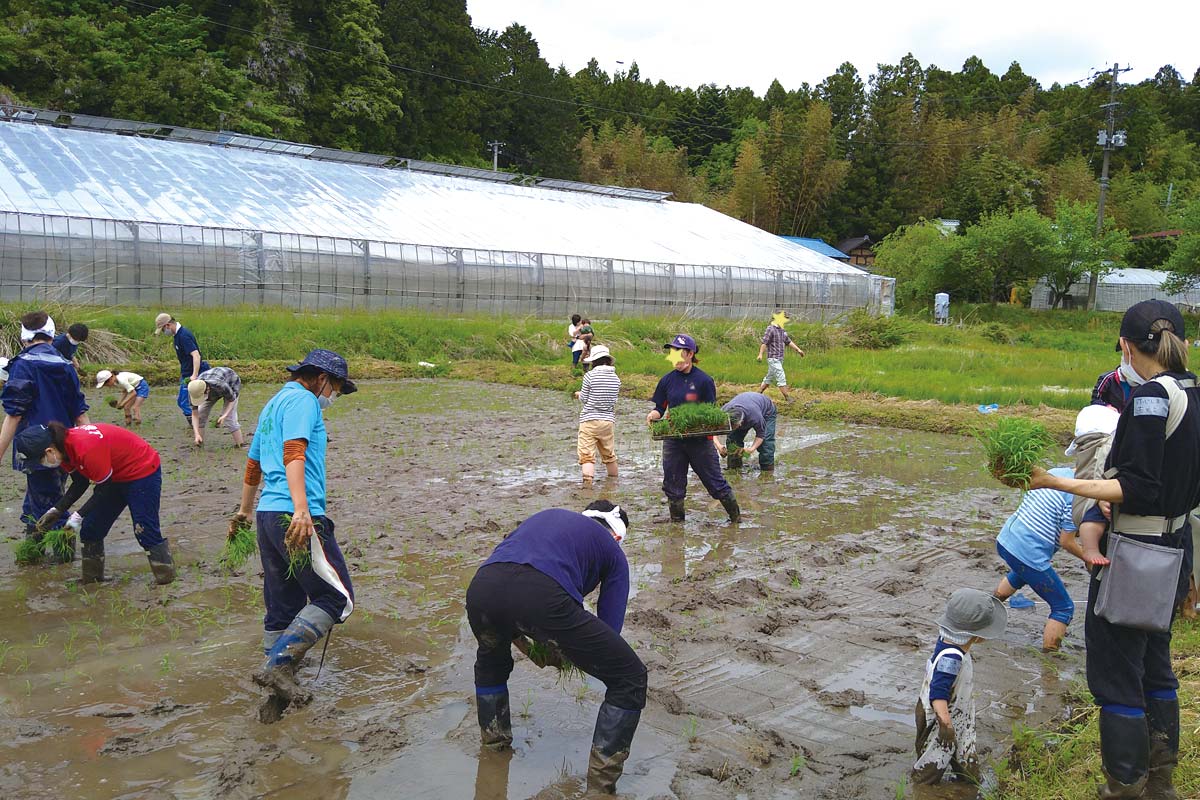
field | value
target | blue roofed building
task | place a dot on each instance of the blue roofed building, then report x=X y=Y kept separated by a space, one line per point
x=818 y=246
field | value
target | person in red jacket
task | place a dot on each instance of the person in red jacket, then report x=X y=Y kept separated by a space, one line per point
x=127 y=472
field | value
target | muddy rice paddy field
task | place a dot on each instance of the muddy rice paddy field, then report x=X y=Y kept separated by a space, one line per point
x=785 y=653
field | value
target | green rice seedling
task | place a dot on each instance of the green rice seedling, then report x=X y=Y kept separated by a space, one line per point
x=691 y=419
x=798 y=763
x=298 y=560
x=164 y=664
x=61 y=542
x=526 y=705
x=28 y=551
x=4 y=648
x=691 y=730
x=1014 y=446
x=544 y=655
x=238 y=549
x=111 y=400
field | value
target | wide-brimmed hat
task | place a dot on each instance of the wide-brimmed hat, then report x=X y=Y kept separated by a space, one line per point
x=29 y=445
x=161 y=321
x=197 y=391
x=974 y=613
x=683 y=342
x=331 y=364
x=598 y=352
x=102 y=377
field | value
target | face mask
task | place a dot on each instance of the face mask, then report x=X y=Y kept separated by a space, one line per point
x=52 y=461
x=323 y=401
x=72 y=341
x=1129 y=373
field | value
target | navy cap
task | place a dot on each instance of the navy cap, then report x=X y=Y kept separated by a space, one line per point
x=683 y=342
x=331 y=364
x=1140 y=318
x=29 y=445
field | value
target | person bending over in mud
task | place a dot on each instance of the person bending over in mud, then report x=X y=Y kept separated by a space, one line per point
x=533 y=585
x=946 y=709
x=750 y=411
x=213 y=385
x=306 y=585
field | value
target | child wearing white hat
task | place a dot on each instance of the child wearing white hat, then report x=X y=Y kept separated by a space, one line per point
x=598 y=416
x=134 y=391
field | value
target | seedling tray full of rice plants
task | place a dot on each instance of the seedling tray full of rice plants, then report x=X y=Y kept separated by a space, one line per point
x=692 y=420
x=1014 y=446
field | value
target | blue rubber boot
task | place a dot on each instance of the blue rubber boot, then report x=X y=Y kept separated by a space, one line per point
x=278 y=673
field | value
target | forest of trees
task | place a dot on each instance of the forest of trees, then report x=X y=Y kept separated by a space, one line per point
x=854 y=154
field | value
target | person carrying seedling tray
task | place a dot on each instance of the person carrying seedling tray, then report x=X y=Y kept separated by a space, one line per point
x=42 y=387
x=306 y=584
x=750 y=411
x=1153 y=484
x=218 y=383
x=687 y=383
x=134 y=391
x=128 y=474
x=533 y=586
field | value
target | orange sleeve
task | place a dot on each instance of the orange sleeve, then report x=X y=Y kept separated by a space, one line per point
x=253 y=473
x=294 y=450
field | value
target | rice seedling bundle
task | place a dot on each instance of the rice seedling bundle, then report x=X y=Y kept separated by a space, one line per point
x=61 y=542
x=239 y=548
x=1014 y=446
x=691 y=419
x=545 y=655
x=28 y=551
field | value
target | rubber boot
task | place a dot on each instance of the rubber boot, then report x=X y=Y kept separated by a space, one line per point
x=733 y=462
x=495 y=721
x=278 y=672
x=1163 y=718
x=731 y=507
x=610 y=747
x=676 y=508
x=92 y=562
x=161 y=563
x=1125 y=754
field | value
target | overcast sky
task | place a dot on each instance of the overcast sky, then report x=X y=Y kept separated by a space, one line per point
x=748 y=43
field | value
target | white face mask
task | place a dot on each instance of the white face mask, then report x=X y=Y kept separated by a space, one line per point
x=71 y=339
x=1128 y=372
x=52 y=461
x=325 y=402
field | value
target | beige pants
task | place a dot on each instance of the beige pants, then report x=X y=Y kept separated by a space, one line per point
x=205 y=409
x=596 y=434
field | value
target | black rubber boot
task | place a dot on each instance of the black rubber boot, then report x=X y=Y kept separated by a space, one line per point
x=1163 y=718
x=161 y=563
x=731 y=507
x=495 y=720
x=1125 y=753
x=92 y=562
x=610 y=747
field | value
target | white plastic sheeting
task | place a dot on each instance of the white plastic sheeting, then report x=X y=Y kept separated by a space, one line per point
x=1118 y=290
x=142 y=219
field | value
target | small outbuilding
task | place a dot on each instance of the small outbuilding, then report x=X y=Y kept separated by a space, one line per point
x=858 y=251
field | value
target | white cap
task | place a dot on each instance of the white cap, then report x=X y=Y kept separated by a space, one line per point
x=102 y=377
x=47 y=329
x=598 y=352
x=1094 y=419
x=610 y=518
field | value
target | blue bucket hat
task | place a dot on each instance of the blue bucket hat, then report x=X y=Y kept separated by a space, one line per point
x=683 y=342
x=331 y=364
x=29 y=445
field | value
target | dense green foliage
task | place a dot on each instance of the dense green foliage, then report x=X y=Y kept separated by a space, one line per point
x=851 y=155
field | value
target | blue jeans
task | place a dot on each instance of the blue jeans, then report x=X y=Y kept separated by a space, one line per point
x=325 y=582
x=43 y=488
x=1045 y=582
x=766 y=451
x=141 y=497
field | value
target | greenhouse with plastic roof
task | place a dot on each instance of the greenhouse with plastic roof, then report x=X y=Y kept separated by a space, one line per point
x=107 y=211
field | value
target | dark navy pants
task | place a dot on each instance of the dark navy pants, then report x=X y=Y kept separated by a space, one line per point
x=1127 y=665
x=699 y=454
x=43 y=488
x=141 y=497
x=325 y=582
x=766 y=451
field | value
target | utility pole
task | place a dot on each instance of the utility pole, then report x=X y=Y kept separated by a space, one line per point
x=496 y=155
x=1110 y=139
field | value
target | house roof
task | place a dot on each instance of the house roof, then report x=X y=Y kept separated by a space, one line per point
x=1158 y=235
x=817 y=246
x=853 y=243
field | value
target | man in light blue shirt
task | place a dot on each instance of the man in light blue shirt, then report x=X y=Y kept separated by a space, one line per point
x=1029 y=539
x=304 y=598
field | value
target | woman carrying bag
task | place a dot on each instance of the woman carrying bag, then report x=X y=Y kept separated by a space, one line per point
x=1154 y=481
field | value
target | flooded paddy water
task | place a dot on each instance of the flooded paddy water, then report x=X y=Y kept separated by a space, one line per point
x=785 y=653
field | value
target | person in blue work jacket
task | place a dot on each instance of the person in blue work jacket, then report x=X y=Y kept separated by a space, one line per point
x=68 y=343
x=191 y=362
x=533 y=585
x=287 y=456
x=751 y=411
x=42 y=387
x=687 y=383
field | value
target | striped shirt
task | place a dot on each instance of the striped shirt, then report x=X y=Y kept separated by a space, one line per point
x=776 y=340
x=223 y=383
x=599 y=394
x=1031 y=533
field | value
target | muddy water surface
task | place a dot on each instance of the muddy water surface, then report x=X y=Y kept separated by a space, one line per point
x=785 y=653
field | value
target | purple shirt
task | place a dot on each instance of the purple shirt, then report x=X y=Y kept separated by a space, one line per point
x=776 y=340
x=576 y=551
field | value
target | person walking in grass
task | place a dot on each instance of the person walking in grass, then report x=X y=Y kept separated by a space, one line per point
x=751 y=411
x=191 y=362
x=305 y=596
x=68 y=343
x=572 y=329
x=134 y=391
x=128 y=474
x=687 y=383
x=598 y=416
x=775 y=342
x=42 y=387
x=533 y=585
x=213 y=385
